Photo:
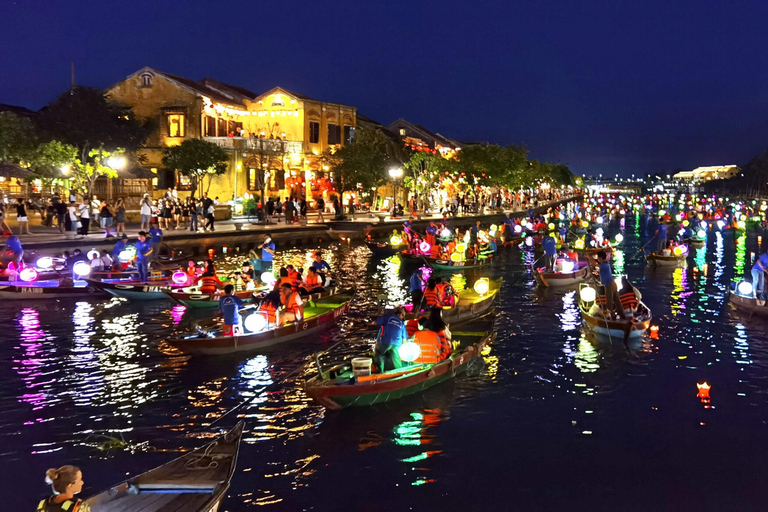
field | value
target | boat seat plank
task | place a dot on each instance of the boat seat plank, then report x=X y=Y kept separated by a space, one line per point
x=125 y=502
x=185 y=503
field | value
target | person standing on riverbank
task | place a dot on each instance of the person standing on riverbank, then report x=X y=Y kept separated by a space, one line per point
x=146 y=212
x=21 y=217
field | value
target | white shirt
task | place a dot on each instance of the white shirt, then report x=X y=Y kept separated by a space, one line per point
x=145 y=208
x=84 y=212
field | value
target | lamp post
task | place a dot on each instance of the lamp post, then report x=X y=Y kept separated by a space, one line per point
x=395 y=173
x=115 y=162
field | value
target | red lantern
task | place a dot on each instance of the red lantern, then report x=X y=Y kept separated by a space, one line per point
x=703 y=393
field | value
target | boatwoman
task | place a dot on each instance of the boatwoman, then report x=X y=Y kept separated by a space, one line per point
x=392 y=334
x=230 y=306
x=66 y=482
x=758 y=275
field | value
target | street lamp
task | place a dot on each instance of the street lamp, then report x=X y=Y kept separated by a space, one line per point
x=395 y=173
x=116 y=162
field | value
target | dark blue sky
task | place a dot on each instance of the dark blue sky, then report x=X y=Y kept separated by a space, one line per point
x=604 y=87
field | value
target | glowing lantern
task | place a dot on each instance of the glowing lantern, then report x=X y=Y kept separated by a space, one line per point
x=685 y=223
x=680 y=250
x=493 y=229
x=409 y=351
x=720 y=224
x=654 y=332
x=93 y=253
x=81 y=269
x=179 y=277
x=455 y=257
x=588 y=294
x=619 y=238
x=45 y=262
x=445 y=233
x=744 y=288
x=255 y=322
x=567 y=266
x=482 y=286
x=599 y=220
x=518 y=228
x=678 y=217
x=585 y=224
x=425 y=247
x=701 y=233
x=579 y=244
x=551 y=225
x=210 y=253
x=28 y=274
x=529 y=242
x=268 y=278
x=703 y=393
x=126 y=255
x=395 y=240
x=461 y=248
x=529 y=225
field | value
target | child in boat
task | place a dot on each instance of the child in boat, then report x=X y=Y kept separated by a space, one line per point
x=66 y=482
x=230 y=305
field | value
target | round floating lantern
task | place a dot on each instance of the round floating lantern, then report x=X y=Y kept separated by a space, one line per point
x=409 y=351
x=28 y=274
x=482 y=286
x=255 y=322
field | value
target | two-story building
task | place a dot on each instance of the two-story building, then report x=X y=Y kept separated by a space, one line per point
x=274 y=139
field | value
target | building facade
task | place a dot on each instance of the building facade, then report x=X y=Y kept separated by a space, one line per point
x=275 y=139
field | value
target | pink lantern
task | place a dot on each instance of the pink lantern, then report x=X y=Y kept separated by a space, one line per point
x=179 y=277
x=425 y=247
x=28 y=274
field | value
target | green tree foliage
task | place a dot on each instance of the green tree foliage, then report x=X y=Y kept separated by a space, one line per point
x=98 y=162
x=425 y=170
x=365 y=161
x=18 y=138
x=196 y=159
x=53 y=160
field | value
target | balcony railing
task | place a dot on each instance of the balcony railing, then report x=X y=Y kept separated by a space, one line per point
x=254 y=144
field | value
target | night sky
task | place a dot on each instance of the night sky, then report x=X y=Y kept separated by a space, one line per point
x=605 y=87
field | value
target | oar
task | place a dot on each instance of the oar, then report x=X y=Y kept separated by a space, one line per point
x=643 y=247
x=533 y=265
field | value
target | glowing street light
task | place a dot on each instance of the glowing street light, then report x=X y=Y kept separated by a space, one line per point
x=116 y=162
x=395 y=173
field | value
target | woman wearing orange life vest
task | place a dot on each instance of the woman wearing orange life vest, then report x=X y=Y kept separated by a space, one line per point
x=629 y=297
x=431 y=294
x=433 y=338
x=209 y=281
x=293 y=306
x=285 y=278
x=270 y=306
x=312 y=283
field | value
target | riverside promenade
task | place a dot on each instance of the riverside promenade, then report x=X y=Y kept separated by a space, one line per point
x=241 y=234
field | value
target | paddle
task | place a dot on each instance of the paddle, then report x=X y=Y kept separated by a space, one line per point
x=643 y=247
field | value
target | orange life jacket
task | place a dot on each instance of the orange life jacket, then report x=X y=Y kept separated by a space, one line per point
x=628 y=300
x=412 y=327
x=313 y=281
x=434 y=346
x=434 y=252
x=294 y=307
x=602 y=300
x=271 y=311
x=431 y=297
x=287 y=280
x=208 y=284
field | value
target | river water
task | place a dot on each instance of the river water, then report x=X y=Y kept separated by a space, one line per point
x=548 y=420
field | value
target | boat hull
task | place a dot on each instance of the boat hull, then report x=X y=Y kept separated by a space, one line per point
x=608 y=330
x=31 y=292
x=748 y=304
x=134 y=290
x=382 y=249
x=666 y=261
x=446 y=265
x=561 y=280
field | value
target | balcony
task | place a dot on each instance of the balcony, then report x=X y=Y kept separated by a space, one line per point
x=254 y=144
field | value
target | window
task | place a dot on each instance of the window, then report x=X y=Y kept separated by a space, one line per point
x=222 y=124
x=349 y=134
x=146 y=80
x=314 y=132
x=210 y=126
x=402 y=132
x=176 y=125
x=154 y=180
x=334 y=134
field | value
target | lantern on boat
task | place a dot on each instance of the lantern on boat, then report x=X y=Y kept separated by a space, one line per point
x=268 y=278
x=44 y=263
x=744 y=288
x=28 y=274
x=518 y=228
x=551 y=225
x=460 y=248
x=529 y=225
x=81 y=269
x=701 y=233
x=529 y=241
x=619 y=238
x=395 y=240
x=409 y=351
x=179 y=277
x=686 y=223
x=720 y=224
x=579 y=244
x=255 y=322
x=92 y=254
x=493 y=229
x=482 y=286
x=588 y=294
x=127 y=254
x=704 y=225
x=599 y=220
x=456 y=257
x=211 y=253
x=425 y=247
x=680 y=250
x=567 y=267
x=445 y=233
x=585 y=224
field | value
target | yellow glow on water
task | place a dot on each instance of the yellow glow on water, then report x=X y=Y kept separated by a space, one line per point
x=587 y=357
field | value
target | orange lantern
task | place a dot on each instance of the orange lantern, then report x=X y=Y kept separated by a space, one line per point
x=704 y=392
x=654 y=332
x=210 y=254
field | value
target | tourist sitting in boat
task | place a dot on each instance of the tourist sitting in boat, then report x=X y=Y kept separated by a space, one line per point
x=431 y=297
x=293 y=309
x=430 y=233
x=270 y=306
x=416 y=288
x=391 y=335
x=209 y=281
x=758 y=275
x=630 y=297
x=230 y=305
x=312 y=283
x=247 y=273
x=571 y=254
x=433 y=338
x=65 y=482
x=96 y=264
x=77 y=255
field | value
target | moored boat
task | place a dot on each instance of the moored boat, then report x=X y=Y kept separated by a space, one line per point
x=195 y=482
x=561 y=279
x=48 y=289
x=470 y=304
x=383 y=248
x=339 y=388
x=318 y=315
x=131 y=289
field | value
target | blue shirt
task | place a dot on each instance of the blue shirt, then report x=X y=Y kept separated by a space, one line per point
x=663 y=231
x=320 y=265
x=156 y=235
x=492 y=245
x=392 y=331
x=762 y=259
x=14 y=244
x=550 y=247
x=119 y=247
x=507 y=221
x=141 y=249
x=230 y=305
x=416 y=282
x=431 y=230
x=606 y=274
x=267 y=256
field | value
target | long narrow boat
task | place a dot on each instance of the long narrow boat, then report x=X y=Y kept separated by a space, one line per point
x=318 y=315
x=750 y=304
x=48 y=289
x=562 y=279
x=198 y=300
x=696 y=243
x=383 y=248
x=195 y=482
x=609 y=330
x=446 y=265
x=338 y=387
x=512 y=242
x=471 y=305
x=670 y=260
x=131 y=289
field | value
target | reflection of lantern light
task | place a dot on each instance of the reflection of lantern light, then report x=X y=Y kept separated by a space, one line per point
x=255 y=322
x=268 y=278
x=455 y=257
x=81 y=268
x=588 y=294
x=744 y=288
x=567 y=266
x=28 y=274
x=619 y=238
x=45 y=262
x=482 y=286
x=518 y=228
x=529 y=241
x=179 y=277
x=445 y=233
x=701 y=233
x=579 y=244
x=409 y=351
x=92 y=254
x=425 y=247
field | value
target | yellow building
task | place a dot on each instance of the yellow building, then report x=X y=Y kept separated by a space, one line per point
x=276 y=137
x=702 y=174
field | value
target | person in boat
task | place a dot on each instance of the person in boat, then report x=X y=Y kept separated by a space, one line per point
x=293 y=273
x=270 y=306
x=431 y=296
x=208 y=280
x=322 y=267
x=66 y=482
x=661 y=236
x=550 y=252
x=312 y=283
x=572 y=255
x=191 y=270
x=446 y=292
x=630 y=297
x=267 y=248
x=96 y=264
x=612 y=301
x=293 y=309
x=430 y=233
x=416 y=287
x=15 y=253
x=433 y=338
x=156 y=238
x=285 y=278
x=119 y=247
x=509 y=227
x=758 y=275
x=391 y=335
x=230 y=305
x=143 y=253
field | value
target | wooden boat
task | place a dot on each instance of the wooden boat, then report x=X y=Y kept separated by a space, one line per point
x=384 y=248
x=195 y=482
x=609 y=330
x=662 y=260
x=562 y=279
x=198 y=300
x=512 y=242
x=470 y=304
x=132 y=289
x=595 y=250
x=338 y=388
x=749 y=304
x=696 y=243
x=318 y=315
x=48 y=289
x=446 y=265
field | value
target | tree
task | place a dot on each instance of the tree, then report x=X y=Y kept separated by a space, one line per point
x=98 y=162
x=18 y=138
x=427 y=169
x=196 y=159
x=266 y=157
x=365 y=161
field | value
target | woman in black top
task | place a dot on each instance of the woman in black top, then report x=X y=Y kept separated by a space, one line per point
x=106 y=218
x=21 y=217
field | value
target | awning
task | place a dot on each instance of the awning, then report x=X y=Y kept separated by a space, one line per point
x=9 y=170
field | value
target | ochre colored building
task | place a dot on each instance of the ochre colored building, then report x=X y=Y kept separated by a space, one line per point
x=274 y=139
